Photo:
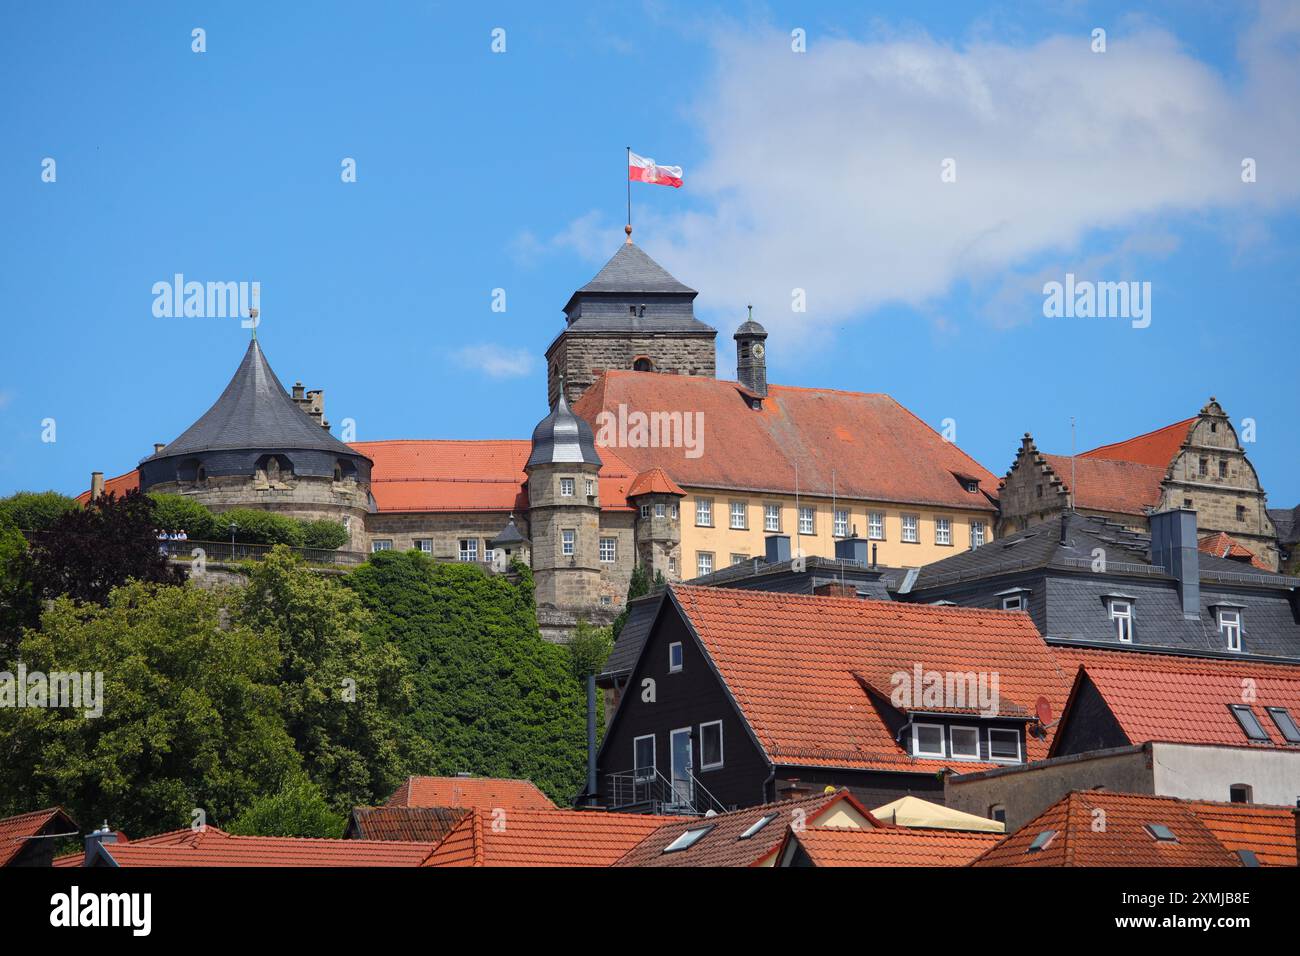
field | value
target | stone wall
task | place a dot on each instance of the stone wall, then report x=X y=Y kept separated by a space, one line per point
x=582 y=356
x=443 y=529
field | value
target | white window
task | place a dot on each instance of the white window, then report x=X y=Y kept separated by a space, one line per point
x=672 y=566
x=943 y=531
x=660 y=510
x=424 y=544
x=965 y=742
x=771 y=517
x=645 y=511
x=739 y=558
x=1013 y=602
x=566 y=487
x=911 y=529
x=757 y=825
x=807 y=520
x=927 y=740
x=976 y=534
x=1230 y=627
x=674 y=511
x=568 y=537
x=876 y=526
x=739 y=516
x=704 y=512
x=841 y=524
x=469 y=549
x=591 y=488
x=687 y=839
x=1121 y=613
x=711 y=745
x=643 y=756
x=674 y=657
x=1004 y=745
x=608 y=550
x=703 y=563
x=381 y=544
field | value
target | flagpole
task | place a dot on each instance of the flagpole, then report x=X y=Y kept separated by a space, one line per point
x=629 y=194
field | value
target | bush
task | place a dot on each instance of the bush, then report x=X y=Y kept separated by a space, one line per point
x=36 y=510
x=298 y=809
x=325 y=535
x=180 y=513
x=589 y=649
x=258 y=527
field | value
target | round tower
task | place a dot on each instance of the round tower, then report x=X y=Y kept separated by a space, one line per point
x=751 y=356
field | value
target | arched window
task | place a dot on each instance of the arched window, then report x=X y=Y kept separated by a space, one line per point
x=190 y=470
x=643 y=364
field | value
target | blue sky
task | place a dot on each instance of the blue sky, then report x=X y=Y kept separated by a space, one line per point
x=816 y=171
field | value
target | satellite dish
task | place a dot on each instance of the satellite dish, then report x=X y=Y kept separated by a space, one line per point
x=1044 y=712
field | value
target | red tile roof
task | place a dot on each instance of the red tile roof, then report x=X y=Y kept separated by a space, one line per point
x=1105 y=485
x=654 y=482
x=1190 y=706
x=1154 y=448
x=469 y=792
x=877 y=449
x=723 y=844
x=419 y=475
x=790 y=662
x=895 y=846
x=409 y=824
x=1101 y=828
x=1223 y=545
x=118 y=486
x=544 y=838
x=16 y=832
x=213 y=847
x=1268 y=832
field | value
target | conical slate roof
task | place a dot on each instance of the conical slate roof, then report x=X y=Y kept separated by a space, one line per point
x=509 y=536
x=562 y=437
x=254 y=412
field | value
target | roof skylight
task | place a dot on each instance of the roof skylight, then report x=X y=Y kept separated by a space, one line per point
x=687 y=839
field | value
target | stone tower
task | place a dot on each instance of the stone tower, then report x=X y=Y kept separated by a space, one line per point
x=632 y=315
x=751 y=356
x=657 y=499
x=564 y=516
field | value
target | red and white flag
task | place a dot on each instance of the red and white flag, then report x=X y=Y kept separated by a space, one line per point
x=642 y=170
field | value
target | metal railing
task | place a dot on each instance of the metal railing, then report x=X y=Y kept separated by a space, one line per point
x=646 y=788
x=225 y=551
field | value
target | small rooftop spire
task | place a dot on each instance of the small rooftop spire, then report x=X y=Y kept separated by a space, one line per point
x=628 y=229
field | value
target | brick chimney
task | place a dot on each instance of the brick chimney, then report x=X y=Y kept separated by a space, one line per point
x=836 y=589
x=96 y=485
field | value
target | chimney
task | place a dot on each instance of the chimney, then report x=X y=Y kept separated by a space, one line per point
x=591 y=739
x=874 y=547
x=852 y=549
x=836 y=589
x=95 y=838
x=1173 y=548
x=297 y=392
x=158 y=447
x=778 y=548
x=96 y=485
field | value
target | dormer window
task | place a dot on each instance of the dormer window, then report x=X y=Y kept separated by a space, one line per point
x=927 y=740
x=1121 y=616
x=1230 y=627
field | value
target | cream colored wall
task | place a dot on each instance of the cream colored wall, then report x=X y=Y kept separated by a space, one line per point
x=723 y=541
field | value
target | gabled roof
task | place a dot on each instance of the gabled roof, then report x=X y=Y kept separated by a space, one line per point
x=1155 y=448
x=724 y=843
x=789 y=661
x=118 y=486
x=1125 y=487
x=517 y=837
x=641 y=613
x=1123 y=840
x=254 y=412
x=17 y=832
x=894 y=846
x=1189 y=702
x=1268 y=832
x=469 y=792
x=409 y=824
x=855 y=445
x=213 y=847
x=1224 y=545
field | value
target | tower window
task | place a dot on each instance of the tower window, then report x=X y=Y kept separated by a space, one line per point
x=566 y=487
x=643 y=365
x=1223 y=469
x=1241 y=512
x=567 y=538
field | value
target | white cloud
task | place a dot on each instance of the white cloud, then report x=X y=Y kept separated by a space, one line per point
x=496 y=361
x=822 y=170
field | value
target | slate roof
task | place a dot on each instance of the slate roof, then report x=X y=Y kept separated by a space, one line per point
x=407 y=824
x=723 y=845
x=793 y=665
x=469 y=792
x=254 y=412
x=632 y=278
x=640 y=616
x=893 y=846
x=1122 y=841
x=1287 y=523
x=16 y=832
x=563 y=437
x=876 y=448
x=518 y=837
x=631 y=270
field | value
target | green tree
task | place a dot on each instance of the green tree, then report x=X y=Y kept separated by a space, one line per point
x=343 y=693
x=589 y=649
x=190 y=716
x=638 y=586
x=492 y=697
x=36 y=510
x=297 y=809
x=180 y=513
x=18 y=605
x=325 y=535
x=258 y=527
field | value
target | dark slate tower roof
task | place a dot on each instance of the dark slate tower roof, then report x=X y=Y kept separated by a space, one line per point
x=510 y=536
x=563 y=438
x=633 y=293
x=254 y=413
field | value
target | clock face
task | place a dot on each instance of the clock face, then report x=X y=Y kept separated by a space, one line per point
x=757 y=350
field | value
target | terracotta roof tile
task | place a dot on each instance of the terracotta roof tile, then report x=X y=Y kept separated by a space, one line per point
x=654 y=482
x=543 y=838
x=1102 y=828
x=16 y=832
x=1268 y=832
x=212 y=847
x=1154 y=448
x=900 y=846
x=1223 y=545
x=469 y=792
x=408 y=824
x=1105 y=485
x=118 y=486
x=878 y=450
x=790 y=661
